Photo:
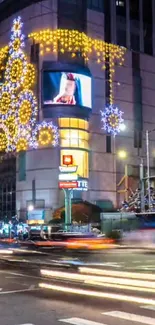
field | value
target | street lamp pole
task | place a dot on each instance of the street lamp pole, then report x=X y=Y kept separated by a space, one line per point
x=142 y=185
x=148 y=168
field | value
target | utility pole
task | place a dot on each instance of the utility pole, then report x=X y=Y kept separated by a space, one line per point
x=148 y=168
x=141 y=172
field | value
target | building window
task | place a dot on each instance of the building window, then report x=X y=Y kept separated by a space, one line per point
x=121 y=37
x=80 y=159
x=108 y=144
x=72 y=14
x=135 y=25
x=96 y=5
x=120 y=3
x=134 y=9
x=73 y=123
x=147 y=27
x=8 y=198
x=74 y=138
x=121 y=22
x=22 y=166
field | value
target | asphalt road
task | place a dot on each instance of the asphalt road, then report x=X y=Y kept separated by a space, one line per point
x=118 y=259
x=21 y=302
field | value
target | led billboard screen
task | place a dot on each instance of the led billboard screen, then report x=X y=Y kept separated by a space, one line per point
x=66 y=88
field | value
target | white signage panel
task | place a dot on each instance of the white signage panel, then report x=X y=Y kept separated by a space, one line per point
x=68 y=177
x=67 y=169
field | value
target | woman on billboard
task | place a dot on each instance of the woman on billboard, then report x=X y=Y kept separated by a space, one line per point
x=68 y=89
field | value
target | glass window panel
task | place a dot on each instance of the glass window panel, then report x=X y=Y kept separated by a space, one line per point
x=64 y=138
x=81 y=134
x=64 y=122
x=22 y=166
x=83 y=144
x=86 y=136
x=74 y=134
x=86 y=125
x=74 y=138
x=81 y=124
x=74 y=123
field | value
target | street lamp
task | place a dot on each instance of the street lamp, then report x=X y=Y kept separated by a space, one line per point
x=122 y=127
x=30 y=208
x=122 y=154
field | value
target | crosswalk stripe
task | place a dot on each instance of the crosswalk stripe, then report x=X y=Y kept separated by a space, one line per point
x=131 y=317
x=148 y=307
x=79 y=321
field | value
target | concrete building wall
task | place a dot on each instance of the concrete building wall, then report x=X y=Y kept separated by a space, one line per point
x=102 y=183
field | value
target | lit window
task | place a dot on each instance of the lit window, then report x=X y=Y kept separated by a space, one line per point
x=73 y=123
x=64 y=122
x=74 y=138
x=81 y=124
x=120 y=3
x=80 y=159
x=86 y=125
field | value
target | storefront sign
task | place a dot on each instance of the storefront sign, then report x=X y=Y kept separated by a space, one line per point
x=82 y=185
x=67 y=169
x=68 y=185
x=68 y=177
x=67 y=160
x=35 y=215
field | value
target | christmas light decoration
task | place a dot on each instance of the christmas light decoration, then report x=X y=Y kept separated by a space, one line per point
x=30 y=76
x=16 y=29
x=12 y=127
x=4 y=137
x=6 y=101
x=3 y=56
x=18 y=105
x=22 y=145
x=16 y=69
x=111 y=117
x=27 y=108
x=75 y=42
x=45 y=134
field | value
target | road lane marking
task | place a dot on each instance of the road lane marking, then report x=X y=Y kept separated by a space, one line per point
x=79 y=321
x=21 y=275
x=16 y=291
x=117 y=274
x=97 y=294
x=148 y=307
x=131 y=317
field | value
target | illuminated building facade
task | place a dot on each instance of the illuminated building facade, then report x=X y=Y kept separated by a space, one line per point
x=78 y=74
